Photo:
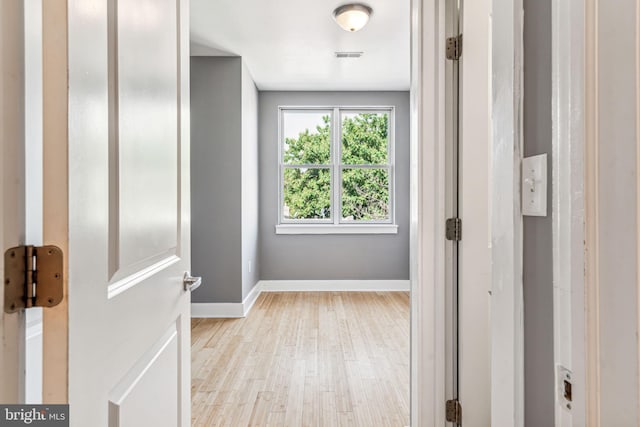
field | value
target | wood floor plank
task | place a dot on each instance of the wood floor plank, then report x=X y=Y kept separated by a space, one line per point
x=305 y=359
x=311 y=402
x=328 y=415
x=261 y=409
x=295 y=401
x=276 y=419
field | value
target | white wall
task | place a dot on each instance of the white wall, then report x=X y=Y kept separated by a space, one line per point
x=250 y=208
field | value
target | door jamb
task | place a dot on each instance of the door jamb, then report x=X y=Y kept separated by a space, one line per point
x=12 y=202
x=568 y=76
x=55 y=195
x=33 y=185
x=576 y=239
x=507 y=304
x=427 y=213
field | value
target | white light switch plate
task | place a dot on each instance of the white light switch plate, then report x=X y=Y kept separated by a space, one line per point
x=534 y=185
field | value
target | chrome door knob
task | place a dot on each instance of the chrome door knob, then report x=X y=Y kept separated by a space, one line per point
x=191 y=283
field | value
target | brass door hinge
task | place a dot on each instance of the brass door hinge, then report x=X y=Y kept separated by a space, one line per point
x=454 y=411
x=32 y=277
x=454 y=47
x=454 y=229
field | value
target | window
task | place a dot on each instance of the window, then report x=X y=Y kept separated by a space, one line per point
x=336 y=170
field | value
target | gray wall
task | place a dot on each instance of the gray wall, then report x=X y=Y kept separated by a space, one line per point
x=538 y=243
x=220 y=250
x=327 y=257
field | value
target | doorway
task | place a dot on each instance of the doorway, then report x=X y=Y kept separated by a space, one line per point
x=428 y=98
x=317 y=264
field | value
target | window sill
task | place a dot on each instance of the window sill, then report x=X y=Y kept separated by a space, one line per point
x=336 y=229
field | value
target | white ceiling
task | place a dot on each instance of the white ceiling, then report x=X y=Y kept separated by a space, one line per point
x=290 y=44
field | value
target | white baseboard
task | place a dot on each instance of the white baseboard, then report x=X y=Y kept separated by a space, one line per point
x=223 y=310
x=251 y=299
x=239 y=310
x=226 y=310
x=334 y=285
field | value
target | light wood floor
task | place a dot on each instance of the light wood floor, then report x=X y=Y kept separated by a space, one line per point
x=305 y=359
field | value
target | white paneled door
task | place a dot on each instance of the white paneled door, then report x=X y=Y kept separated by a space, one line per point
x=117 y=176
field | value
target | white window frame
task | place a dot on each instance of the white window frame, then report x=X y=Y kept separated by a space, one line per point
x=336 y=224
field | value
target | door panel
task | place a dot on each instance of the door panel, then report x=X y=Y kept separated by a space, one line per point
x=135 y=401
x=128 y=212
x=143 y=91
x=146 y=142
x=12 y=227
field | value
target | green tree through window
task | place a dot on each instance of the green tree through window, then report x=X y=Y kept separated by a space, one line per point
x=364 y=173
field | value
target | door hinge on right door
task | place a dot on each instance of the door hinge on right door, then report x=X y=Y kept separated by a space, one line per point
x=454 y=47
x=33 y=277
x=454 y=411
x=454 y=229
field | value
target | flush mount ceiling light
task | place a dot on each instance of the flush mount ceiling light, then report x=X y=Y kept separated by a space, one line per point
x=352 y=17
